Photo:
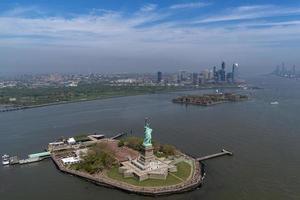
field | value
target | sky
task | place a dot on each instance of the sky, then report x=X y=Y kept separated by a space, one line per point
x=80 y=36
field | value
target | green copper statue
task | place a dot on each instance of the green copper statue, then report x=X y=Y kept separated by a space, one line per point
x=148 y=137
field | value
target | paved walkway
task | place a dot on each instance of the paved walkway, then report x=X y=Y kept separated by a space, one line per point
x=176 y=176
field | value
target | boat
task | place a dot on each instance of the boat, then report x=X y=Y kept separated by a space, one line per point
x=274 y=103
x=218 y=91
x=35 y=158
x=13 y=160
x=5 y=159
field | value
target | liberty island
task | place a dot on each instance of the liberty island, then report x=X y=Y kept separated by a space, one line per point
x=150 y=170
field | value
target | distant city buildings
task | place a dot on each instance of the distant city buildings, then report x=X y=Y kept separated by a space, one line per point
x=215 y=75
x=282 y=71
x=183 y=76
x=206 y=76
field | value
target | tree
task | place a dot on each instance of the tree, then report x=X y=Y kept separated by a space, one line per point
x=98 y=158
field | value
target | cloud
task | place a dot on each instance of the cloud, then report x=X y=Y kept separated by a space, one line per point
x=266 y=23
x=254 y=8
x=189 y=5
x=148 y=7
x=140 y=28
x=251 y=12
x=150 y=36
x=18 y=11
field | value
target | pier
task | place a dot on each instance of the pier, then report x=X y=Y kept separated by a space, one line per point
x=223 y=153
x=31 y=158
x=118 y=136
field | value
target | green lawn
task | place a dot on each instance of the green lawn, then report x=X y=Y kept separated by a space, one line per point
x=184 y=170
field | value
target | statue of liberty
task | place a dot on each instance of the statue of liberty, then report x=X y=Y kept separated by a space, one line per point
x=148 y=137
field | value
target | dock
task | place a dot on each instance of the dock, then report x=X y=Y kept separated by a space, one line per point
x=31 y=158
x=118 y=136
x=222 y=153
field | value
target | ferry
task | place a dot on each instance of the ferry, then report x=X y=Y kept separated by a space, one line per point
x=5 y=159
x=274 y=103
x=29 y=160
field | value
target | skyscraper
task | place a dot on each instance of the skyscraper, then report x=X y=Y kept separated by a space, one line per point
x=195 y=79
x=205 y=74
x=223 y=65
x=159 y=77
x=215 y=74
x=229 y=77
x=222 y=72
x=210 y=75
x=182 y=76
x=234 y=71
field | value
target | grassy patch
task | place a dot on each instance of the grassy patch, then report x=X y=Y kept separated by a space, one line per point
x=184 y=170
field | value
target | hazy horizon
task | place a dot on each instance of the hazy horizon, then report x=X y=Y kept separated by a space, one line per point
x=147 y=36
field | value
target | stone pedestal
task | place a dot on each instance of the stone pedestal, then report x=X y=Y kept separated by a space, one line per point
x=147 y=156
x=146 y=166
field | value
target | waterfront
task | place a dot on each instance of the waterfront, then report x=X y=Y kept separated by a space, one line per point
x=264 y=138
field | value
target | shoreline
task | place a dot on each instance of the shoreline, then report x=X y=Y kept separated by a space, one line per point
x=102 y=180
x=16 y=108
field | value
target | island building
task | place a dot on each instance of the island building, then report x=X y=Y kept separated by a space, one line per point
x=147 y=165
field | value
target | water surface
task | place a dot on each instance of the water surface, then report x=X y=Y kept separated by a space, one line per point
x=264 y=138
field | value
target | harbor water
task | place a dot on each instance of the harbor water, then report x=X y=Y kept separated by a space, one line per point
x=264 y=138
